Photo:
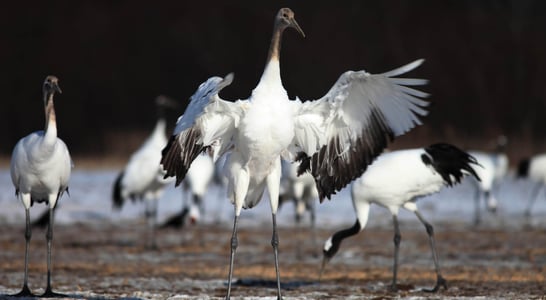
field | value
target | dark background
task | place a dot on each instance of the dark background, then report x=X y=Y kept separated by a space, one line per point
x=486 y=62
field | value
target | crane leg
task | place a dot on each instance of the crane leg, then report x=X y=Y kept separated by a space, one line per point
x=397 y=238
x=25 y=291
x=477 y=203
x=313 y=226
x=49 y=238
x=240 y=183
x=151 y=217
x=234 y=244
x=273 y=181
x=275 y=245
x=440 y=281
x=534 y=195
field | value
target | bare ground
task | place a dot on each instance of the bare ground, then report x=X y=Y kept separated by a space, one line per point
x=110 y=261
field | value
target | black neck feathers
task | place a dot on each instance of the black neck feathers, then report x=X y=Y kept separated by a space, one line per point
x=338 y=237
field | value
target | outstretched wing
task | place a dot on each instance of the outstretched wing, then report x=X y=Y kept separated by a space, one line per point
x=208 y=123
x=340 y=134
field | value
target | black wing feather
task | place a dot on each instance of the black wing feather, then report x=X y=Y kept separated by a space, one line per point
x=324 y=163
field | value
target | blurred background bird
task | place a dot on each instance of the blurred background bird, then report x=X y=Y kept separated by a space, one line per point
x=143 y=178
x=194 y=187
x=494 y=169
x=302 y=193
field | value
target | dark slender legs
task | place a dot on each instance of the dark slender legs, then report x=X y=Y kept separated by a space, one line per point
x=151 y=218
x=275 y=244
x=313 y=225
x=25 y=291
x=396 y=240
x=440 y=281
x=234 y=244
x=534 y=195
x=49 y=237
x=477 y=202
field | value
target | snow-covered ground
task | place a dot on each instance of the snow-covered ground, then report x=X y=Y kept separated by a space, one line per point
x=90 y=201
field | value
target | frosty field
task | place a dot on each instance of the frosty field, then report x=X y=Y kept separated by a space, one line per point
x=100 y=254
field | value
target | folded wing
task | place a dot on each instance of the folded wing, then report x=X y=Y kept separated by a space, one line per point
x=340 y=134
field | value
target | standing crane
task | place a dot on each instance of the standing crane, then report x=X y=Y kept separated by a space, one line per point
x=533 y=168
x=398 y=179
x=40 y=169
x=494 y=169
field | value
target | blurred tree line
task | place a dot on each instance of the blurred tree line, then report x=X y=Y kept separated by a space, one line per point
x=486 y=61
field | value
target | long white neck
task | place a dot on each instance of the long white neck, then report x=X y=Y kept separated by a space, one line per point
x=271 y=77
x=51 y=120
x=158 y=135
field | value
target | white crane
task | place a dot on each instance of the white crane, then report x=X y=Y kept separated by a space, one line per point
x=143 y=176
x=533 y=168
x=398 y=179
x=40 y=169
x=194 y=188
x=494 y=169
x=198 y=179
x=334 y=137
x=302 y=191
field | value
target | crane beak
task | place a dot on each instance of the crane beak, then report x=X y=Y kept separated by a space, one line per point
x=324 y=263
x=57 y=89
x=295 y=25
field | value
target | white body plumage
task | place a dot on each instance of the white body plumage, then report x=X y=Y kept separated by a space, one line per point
x=40 y=167
x=533 y=168
x=494 y=168
x=265 y=131
x=200 y=175
x=395 y=178
x=536 y=168
x=197 y=183
x=143 y=176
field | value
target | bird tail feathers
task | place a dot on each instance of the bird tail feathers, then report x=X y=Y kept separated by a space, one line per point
x=117 y=198
x=450 y=162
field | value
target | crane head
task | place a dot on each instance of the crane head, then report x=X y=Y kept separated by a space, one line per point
x=285 y=18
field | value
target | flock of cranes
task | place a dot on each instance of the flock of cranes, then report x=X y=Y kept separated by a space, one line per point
x=327 y=144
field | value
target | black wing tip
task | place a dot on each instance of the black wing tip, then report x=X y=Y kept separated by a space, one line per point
x=305 y=166
x=305 y=163
x=333 y=172
x=179 y=153
x=171 y=160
